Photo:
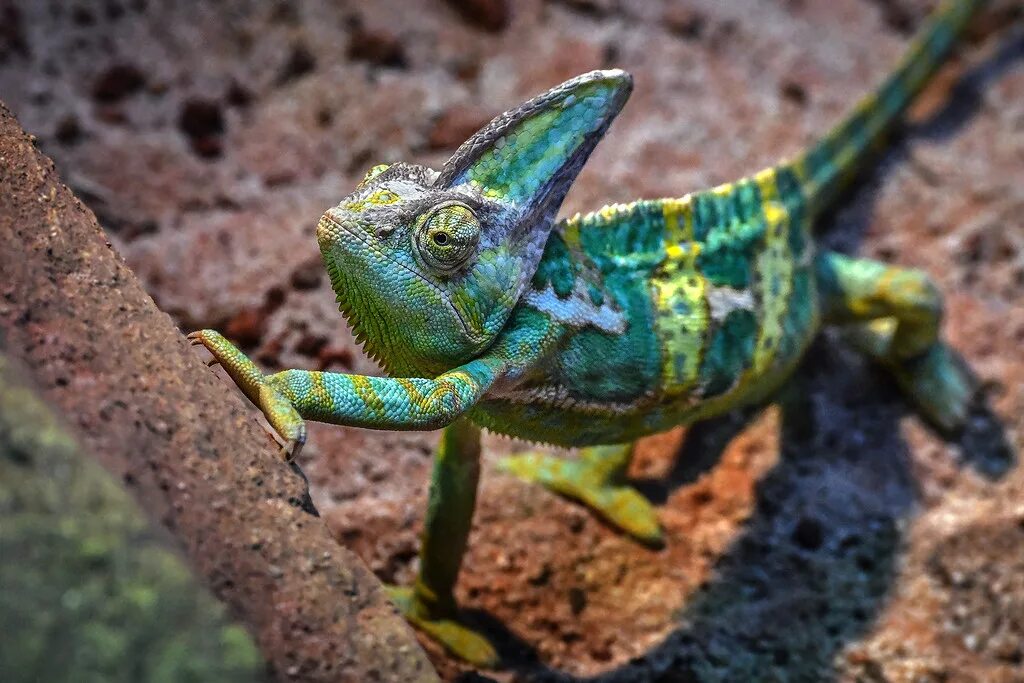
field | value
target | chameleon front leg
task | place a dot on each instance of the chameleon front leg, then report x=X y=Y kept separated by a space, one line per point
x=429 y=603
x=408 y=403
x=596 y=479
x=893 y=315
x=387 y=403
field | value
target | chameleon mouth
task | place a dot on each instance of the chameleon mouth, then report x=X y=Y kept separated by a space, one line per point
x=327 y=231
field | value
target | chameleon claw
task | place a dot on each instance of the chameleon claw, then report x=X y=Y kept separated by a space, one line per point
x=941 y=386
x=197 y=338
x=291 y=449
x=290 y=438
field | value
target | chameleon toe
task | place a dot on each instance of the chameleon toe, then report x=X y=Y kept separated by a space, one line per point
x=940 y=385
x=592 y=484
x=627 y=509
x=456 y=637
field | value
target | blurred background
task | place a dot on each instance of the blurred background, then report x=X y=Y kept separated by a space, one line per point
x=832 y=537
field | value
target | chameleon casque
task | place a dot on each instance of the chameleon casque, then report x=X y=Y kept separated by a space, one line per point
x=596 y=330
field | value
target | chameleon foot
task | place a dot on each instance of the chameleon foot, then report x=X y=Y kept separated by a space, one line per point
x=592 y=480
x=939 y=384
x=457 y=638
x=279 y=411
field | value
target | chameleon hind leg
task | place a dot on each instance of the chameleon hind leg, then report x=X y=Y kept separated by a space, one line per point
x=893 y=315
x=596 y=479
x=429 y=603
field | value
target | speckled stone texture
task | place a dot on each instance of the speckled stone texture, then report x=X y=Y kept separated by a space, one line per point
x=830 y=537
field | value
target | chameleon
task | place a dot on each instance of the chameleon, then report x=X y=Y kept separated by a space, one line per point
x=487 y=312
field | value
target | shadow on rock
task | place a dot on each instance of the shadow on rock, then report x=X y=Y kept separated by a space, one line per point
x=813 y=566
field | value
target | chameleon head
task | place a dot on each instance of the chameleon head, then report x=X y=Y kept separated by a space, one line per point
x=428 y=265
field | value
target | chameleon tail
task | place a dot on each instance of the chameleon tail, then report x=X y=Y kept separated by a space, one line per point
x=826 y=167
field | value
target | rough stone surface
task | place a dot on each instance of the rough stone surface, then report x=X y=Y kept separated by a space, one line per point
x=120 y=373
x=832 y=537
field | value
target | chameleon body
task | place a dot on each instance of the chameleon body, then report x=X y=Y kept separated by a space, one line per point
x=596 y=330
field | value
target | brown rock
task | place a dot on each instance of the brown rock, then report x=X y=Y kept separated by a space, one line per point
x=490 y=15
x=376 y=46
x=683 y=20
x=455 y=125
x=118 y=82
x=246 y=327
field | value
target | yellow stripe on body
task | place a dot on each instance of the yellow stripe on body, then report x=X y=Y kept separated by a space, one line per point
x=681 y=315
x=678 y=218
x=774 y=267
x=765 y=180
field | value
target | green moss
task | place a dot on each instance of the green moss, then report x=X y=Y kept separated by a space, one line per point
x=90 y=590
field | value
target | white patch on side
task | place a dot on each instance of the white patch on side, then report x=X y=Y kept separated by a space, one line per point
x=724 y=300
x=577 y=310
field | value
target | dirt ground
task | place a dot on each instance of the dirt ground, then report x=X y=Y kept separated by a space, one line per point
x=832 y=536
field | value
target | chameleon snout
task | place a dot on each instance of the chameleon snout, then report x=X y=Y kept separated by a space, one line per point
x=337 y=225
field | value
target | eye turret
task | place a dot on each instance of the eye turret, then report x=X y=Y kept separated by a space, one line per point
x=447 y=236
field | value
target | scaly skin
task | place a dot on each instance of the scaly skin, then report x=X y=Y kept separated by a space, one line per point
x=599 y=329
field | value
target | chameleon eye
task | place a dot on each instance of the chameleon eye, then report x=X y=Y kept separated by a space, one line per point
x=447 y=236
